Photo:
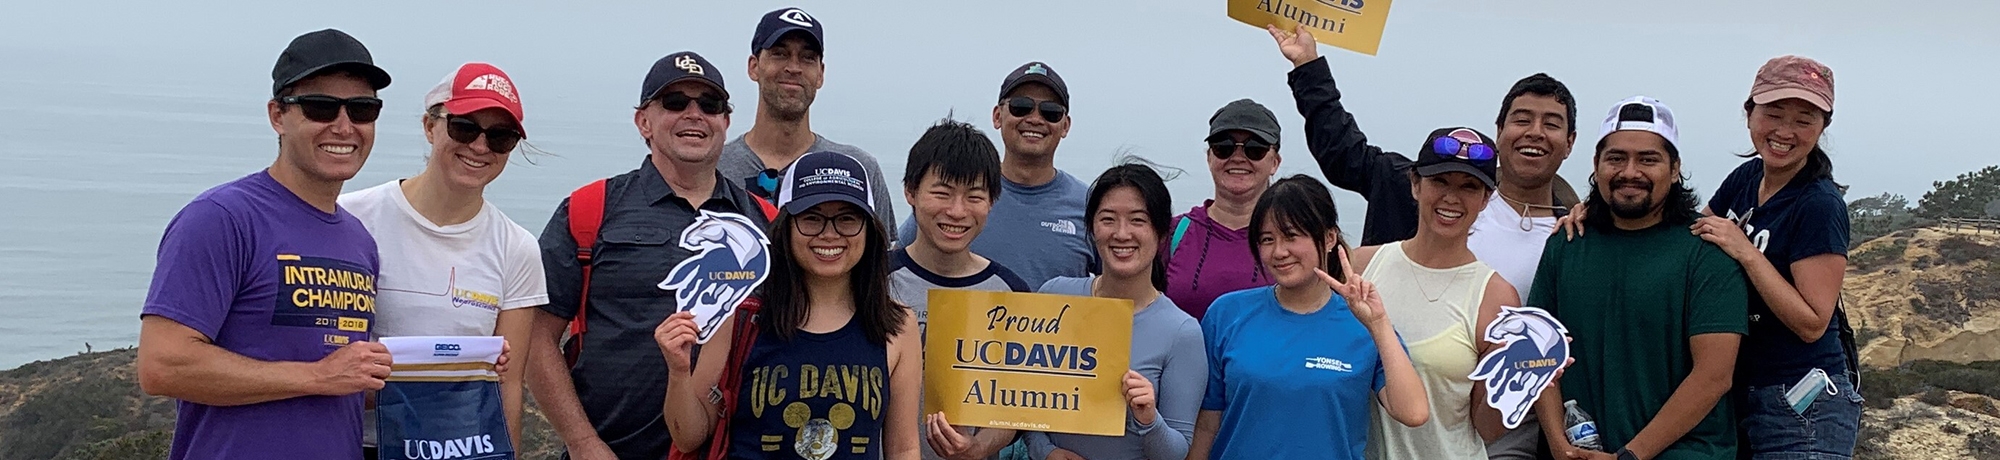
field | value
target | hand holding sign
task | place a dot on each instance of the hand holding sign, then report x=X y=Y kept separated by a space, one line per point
x=1139 y=393
x=1533 y=351
x=676 y=337
x=1297 y=45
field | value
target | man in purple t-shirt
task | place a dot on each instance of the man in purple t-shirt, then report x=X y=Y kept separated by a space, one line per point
x=264 y=293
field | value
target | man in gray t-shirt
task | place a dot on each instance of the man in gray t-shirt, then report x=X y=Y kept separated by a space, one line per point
x=1037 y=224
x=785 y=63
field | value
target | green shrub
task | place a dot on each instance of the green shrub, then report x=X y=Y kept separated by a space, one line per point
x=1876 y=257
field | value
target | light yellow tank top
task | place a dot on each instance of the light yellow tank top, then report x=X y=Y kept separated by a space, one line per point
x=1436 y=312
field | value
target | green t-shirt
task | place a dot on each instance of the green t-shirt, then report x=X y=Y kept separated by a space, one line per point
x=1631 y=301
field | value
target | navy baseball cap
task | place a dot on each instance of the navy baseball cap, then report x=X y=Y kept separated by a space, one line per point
x=322 y=51
x=823 y=176
x=1036 y=72
x=777 y=23
x=685 y=65
x=1458 y=149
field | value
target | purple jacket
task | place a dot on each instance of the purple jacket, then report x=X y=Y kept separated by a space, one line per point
x=1211 y=260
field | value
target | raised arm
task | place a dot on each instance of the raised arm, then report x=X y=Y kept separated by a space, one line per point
x=1332 y=135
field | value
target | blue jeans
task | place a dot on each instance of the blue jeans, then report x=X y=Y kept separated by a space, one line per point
x=1826 y=430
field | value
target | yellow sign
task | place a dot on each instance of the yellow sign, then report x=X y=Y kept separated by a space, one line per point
x=1352 y=24
x=1038 y=362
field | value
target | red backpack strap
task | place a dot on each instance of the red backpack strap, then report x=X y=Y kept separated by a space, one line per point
x=744 y=337
x=770 y=210
x=586 y=216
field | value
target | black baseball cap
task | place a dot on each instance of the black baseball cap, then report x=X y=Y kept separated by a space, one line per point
x=1458 y=149
x=1246 y=115
x=777 y=23
x=323 y=51
x=823 y=176
x=1036 y=72
x=685 y=65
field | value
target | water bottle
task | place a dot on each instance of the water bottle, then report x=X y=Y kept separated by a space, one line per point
x=1580 y=429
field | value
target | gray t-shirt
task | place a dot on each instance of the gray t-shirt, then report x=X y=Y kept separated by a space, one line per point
x=911 y=284
x=1167 y=348
x=1036 y=231
x=739 y=164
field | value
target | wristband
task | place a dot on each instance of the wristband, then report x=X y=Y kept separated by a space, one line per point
x=1626 y=454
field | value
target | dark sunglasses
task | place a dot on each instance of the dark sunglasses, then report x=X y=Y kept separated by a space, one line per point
x=1224 y=148
x=499 y=138
x=1450 y=147
x=1021 y=106
x=325 y=109
x=709 y=102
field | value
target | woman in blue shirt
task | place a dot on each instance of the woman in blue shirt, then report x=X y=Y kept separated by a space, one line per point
x=1781 y=216
x=1292 y=368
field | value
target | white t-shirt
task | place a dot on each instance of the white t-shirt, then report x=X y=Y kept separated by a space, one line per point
x=446 y=280
x=1498 y=239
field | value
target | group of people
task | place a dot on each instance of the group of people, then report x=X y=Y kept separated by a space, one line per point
x=1259 y=330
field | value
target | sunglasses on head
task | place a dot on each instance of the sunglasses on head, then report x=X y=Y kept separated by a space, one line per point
x=324 y=109
x=1450 y=147
x=709 y=102
x=499 y=138
x=1021 y=106
x=1223 y=148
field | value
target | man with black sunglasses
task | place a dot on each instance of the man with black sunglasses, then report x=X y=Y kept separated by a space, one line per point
x=1535 y=130
x=1040 y=207
x=603 y=392
x=263 y=298
x=785 y=61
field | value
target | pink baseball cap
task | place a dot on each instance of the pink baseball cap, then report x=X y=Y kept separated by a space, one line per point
x=1789 y=76
x=477 y=86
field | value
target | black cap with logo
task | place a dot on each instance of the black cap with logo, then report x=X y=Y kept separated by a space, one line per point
x=1036 y=72
x=685 y=65
x=777 y=23
x=323 y=51
x=1458 y=149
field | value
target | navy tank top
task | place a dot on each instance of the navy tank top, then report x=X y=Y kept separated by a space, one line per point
x=816 y=397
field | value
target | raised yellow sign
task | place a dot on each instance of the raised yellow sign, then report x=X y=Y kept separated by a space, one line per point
x=1038 y=362
x=1352 y=24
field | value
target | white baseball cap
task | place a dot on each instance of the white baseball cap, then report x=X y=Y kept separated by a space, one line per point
x=1641 y=113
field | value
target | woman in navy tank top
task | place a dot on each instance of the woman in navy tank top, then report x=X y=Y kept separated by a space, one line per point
x=832 y=374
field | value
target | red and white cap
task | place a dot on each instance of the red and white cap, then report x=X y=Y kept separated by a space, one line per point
x=477 y=86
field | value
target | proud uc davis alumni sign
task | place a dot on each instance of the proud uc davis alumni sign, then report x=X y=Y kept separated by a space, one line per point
x=1352 y=24
x=1026 y=361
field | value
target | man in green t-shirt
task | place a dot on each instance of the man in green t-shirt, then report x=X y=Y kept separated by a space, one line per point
x=1656 y=314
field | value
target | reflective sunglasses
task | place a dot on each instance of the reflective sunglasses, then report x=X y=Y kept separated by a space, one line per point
x=499 y=138
x=324 y=109
x=709 y=102
x=1223 y=148
x=848 y=224
x=1450 y=147
x=1021 y=106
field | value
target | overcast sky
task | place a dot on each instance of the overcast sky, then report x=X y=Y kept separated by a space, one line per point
x=1911 y=76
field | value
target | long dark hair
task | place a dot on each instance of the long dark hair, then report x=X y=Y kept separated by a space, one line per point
x=1681 y=204
x=1818 y=164
x=1152 y=191
x=786 y=301
x=1300 y=204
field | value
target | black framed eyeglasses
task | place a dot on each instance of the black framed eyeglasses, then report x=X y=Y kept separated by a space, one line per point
x=324 y=109
x=499 y=138
x=1052 y=111
x=1223 y=148
x=848 y=224
x=708 y=102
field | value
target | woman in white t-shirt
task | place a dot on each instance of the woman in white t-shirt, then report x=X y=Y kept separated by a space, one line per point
x=452 y=263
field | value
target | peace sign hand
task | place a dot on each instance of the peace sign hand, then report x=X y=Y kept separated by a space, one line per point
x=1361 y=296
x=1297 y=44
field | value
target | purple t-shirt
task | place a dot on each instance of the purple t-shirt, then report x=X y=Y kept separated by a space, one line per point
x=265 y=275
x=1211 y=260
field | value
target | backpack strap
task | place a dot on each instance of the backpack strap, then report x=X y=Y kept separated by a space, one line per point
x=770 y=210
x=725 y=395
x=586 y=216
x=1180 y=230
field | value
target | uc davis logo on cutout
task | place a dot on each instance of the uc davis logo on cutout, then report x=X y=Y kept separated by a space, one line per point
x=731 y=258
x=1533 y=346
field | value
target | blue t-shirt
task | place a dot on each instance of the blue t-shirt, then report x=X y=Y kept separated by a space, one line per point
x=267 y=276
x=1806 y=218
x=1035 y=231
x=1288 y=385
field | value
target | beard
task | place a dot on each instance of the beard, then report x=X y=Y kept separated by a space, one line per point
x=786 y=107
x=1632 y=208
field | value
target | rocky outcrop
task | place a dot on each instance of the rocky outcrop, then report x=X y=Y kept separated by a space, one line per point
x=1926 y=294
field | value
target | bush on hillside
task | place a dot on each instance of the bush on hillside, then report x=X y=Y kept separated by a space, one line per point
x=1874 y=258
